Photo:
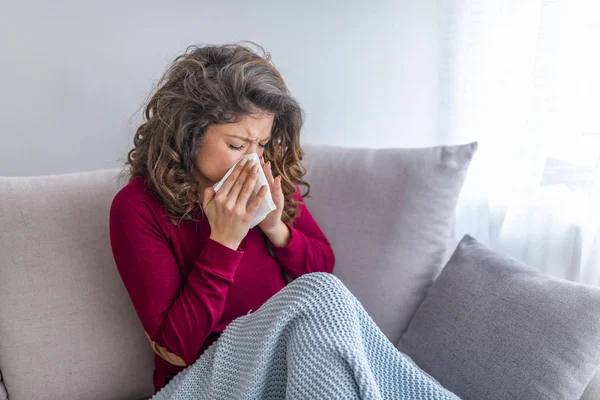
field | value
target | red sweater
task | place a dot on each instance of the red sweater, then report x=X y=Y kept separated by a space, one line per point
x=185 y=287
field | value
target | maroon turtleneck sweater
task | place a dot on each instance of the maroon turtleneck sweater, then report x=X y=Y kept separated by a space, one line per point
x=185 y=287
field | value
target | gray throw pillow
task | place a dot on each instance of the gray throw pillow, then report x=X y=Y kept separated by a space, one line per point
x=388 y=214
x=492 y=327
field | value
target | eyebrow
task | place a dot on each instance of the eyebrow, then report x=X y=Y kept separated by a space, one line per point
x=245 y=139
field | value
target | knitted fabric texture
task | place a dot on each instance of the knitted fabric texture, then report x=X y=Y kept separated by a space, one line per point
x=312 y=340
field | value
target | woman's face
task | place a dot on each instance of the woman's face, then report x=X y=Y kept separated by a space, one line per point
x=224 y=144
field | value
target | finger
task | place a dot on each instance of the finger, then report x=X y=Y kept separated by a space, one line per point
x=209 y=194
x=268 y=173
x=240 y=182
x=257 y=200
x=228 y=184
x=248 y=187
x=277 y=191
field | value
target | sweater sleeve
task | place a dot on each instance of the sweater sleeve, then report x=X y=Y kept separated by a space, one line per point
x=177 y=313
x=308 y=249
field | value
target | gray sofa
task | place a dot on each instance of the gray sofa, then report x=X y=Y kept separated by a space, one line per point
x=69 y=331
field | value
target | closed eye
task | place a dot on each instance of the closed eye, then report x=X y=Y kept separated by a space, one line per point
x=240 y=148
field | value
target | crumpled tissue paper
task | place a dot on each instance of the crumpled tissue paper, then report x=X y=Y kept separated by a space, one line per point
x=267 y=205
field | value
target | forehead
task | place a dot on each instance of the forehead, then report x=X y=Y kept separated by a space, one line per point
x=254 y=127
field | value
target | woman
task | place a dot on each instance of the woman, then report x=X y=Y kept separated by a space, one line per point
x=187 y=256
x=177 y=245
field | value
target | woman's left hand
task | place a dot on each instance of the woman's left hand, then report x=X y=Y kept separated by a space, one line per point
x=275 y=229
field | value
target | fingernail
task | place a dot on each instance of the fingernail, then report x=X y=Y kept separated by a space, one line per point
x=243 y=162
x=255 y=169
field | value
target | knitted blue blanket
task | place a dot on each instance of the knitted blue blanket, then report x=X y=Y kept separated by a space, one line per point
x=312 y=340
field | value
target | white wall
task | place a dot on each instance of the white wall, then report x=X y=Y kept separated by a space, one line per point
x=74 y=74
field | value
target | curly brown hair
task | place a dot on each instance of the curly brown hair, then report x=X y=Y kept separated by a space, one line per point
x=209 y=85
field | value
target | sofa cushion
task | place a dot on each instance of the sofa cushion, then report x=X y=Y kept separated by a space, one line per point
x=388 y=214
x=492 y=327
x=67 y=326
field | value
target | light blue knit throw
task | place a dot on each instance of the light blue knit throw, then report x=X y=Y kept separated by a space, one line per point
x=312 y=340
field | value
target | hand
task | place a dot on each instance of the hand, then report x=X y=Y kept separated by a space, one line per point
x=228 y=211
x=273 y=219
x=275 y=229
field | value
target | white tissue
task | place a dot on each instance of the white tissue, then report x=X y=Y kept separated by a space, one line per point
x=267 y=205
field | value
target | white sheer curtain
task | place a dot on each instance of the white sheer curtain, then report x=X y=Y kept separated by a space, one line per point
x=523 y=79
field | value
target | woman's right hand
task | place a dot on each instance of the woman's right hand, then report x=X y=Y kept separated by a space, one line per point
x=228 y=211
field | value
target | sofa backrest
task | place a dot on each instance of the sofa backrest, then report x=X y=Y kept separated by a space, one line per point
x=67 y=326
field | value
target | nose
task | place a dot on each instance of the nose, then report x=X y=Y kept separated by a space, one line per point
x=254 y=148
